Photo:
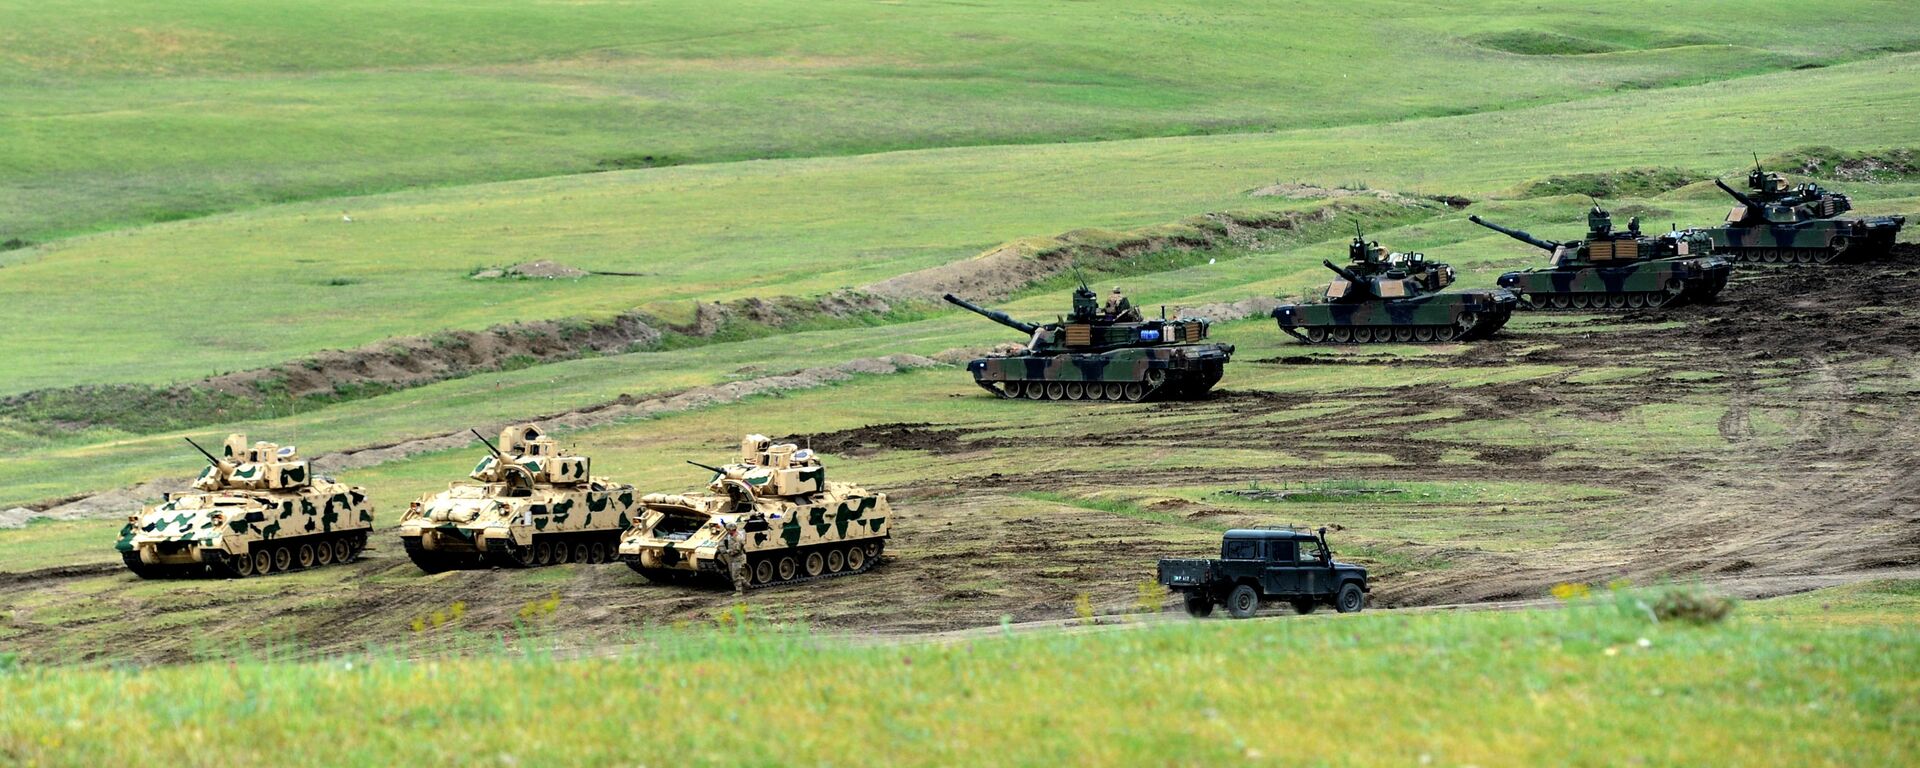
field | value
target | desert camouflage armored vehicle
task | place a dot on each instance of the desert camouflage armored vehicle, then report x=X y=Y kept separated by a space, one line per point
x=1618 y=270
x=256 y=509
x=1778 y=224
x=1098 y=353
x=534 y=505
x=1395 y=297
x=788 y=523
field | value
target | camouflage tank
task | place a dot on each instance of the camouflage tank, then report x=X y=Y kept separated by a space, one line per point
x=535 y=505
x=1780 y=224
x=256 y=509
x=1394 y=297
x=1618 y=270
x=1097 y=353
x=788 y=522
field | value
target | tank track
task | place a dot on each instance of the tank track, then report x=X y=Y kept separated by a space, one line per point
x=1161 y=387
x=579 y=548
x=669 y=575
x=352 y=542
x=1781 y=255
x=1481 y=327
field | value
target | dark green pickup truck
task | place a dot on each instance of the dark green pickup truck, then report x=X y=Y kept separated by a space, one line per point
x=1259 y=564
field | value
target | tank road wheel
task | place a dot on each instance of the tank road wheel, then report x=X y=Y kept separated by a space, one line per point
x=342 y=551
x=1341 y=334
x=1316 y=335
x=323 y=553
x=763 y=571
x=580 y=553
x=1243 y=602
x=788 y=568
x=282 y=558
x=543 y=553
x=1199 y=606
x=1637 y=301
x=1583 y=301
x=1034 y=390
x=1056 y=390
x=598 y=554
x=1424 y=334
x=856 y=558
x=816 y=563
x=836 y=561
x=560 y=552
x=1403 y=333
x=873 y=550
x=1559 y=301
x=304 y=555
x=1363 y=335
x=1076 y=391
x=1134 y=391
x=240 y=565
x=262 y=561
x=1113 y=390
x=1351 y=599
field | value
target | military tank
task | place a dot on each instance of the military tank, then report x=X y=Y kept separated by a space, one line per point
x=1617 y=269
x=534 y=505
x=791 y=523
x=1394 y=297
x=256 y=509
x=1776 y=223
x=1097 y=353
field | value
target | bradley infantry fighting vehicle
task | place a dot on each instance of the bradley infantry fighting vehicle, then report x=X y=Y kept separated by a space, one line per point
x=1394 y=297
x=787 y=521
x=1778 y=224
x=1102 y=354
x=1618 y=270
x=256 y=509
x=534 y=505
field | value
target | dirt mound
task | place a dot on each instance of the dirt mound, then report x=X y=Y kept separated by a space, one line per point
x=1901 y=164
x=871 y=439
x=1635 y=182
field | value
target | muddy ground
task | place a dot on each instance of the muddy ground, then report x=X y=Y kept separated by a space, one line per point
x=1812 y=479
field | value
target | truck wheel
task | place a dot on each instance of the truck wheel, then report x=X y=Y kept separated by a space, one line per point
x=1243 y=602
x=1351 y=599
x=1304 y=605
x=1199 y=606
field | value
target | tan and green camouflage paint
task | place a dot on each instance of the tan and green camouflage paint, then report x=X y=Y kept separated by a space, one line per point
x=554 y=494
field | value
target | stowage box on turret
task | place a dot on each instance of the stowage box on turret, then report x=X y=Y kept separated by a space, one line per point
x=1394 y=297
x=535 y=505
x=1775 y=223
x=1618 y=270
x=1097 y=353
x=256 y=509
x=774 y=510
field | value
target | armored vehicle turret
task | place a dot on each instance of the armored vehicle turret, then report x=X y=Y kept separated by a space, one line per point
x=1101 y=353
x=787 y=523
x=1382 y=297
x=1617 y=269
x=1776 y=223
x=534 y=505
x=256 y=509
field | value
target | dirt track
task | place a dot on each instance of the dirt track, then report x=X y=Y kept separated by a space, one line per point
x=1813 y=483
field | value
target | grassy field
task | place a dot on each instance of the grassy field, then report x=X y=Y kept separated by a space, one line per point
x=120 y=113
x=1597 y=683
x=133 y=304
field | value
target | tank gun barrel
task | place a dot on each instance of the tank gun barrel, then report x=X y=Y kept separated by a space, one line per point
x=1545 y=245
x=203 y=451
x=1737 y=195
x=998 y=317
x=1345 y=273
x=489 y=444
x=708 y=467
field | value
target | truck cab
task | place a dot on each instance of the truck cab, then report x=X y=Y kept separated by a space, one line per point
x=1267 y=564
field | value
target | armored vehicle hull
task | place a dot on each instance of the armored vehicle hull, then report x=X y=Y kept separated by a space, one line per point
x=1131 y=375
x=787 y=524
x=1823 y=241
x=1639 y=285
x=535 y=506
x=257 y=511
x=1440 y=317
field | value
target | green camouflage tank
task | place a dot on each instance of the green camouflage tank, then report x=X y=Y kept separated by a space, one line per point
x=1101 y=353
x=1780 y=224
x=256 y=509
x=535 y=505
x=1394 y=297
x=771 y=518
x=1618 y=269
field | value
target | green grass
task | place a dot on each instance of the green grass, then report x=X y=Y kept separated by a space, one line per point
x=1585 y=685
x=118 y=113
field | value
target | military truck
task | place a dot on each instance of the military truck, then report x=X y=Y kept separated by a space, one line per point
x=1776 y=223
x=256 y=509
x=1098 y=353
x=534 y=505
x=1394 y=297
x=1267 y=564
x=788 y=522
x=1614 y=269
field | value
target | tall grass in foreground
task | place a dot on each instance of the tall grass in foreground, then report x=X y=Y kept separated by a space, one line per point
x=1595 y=684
